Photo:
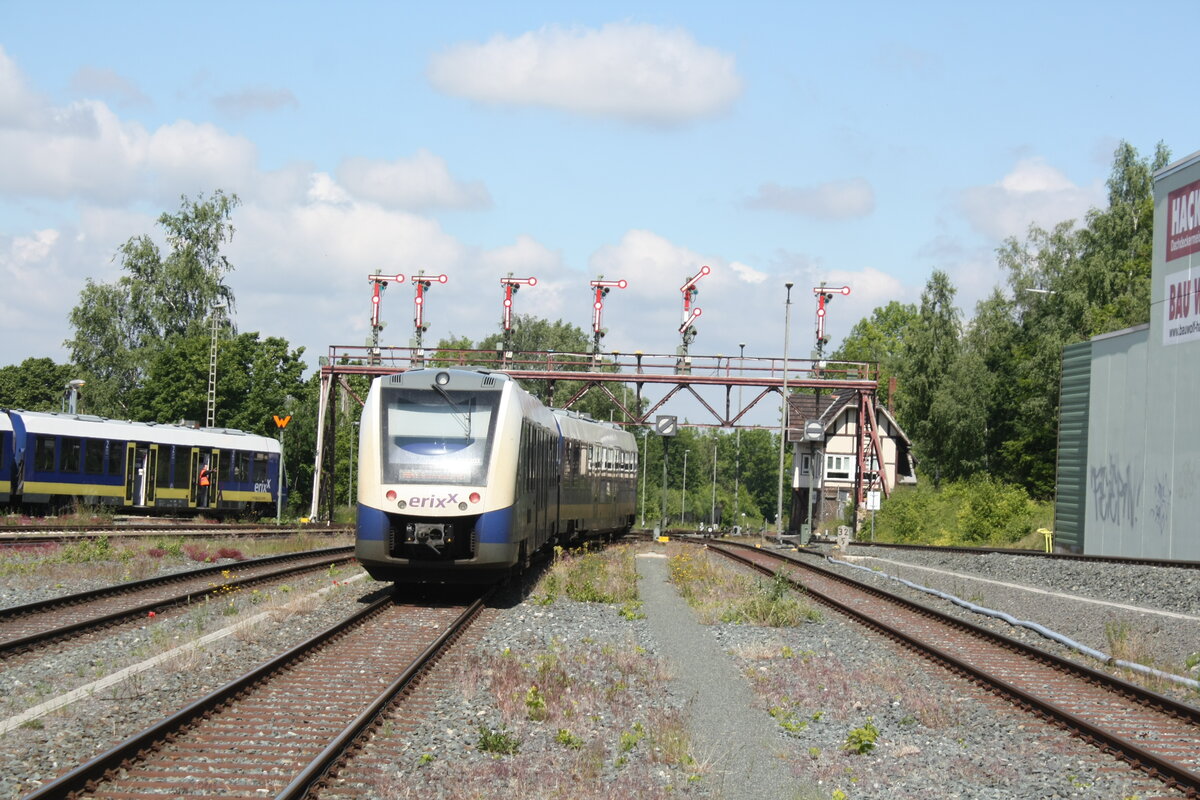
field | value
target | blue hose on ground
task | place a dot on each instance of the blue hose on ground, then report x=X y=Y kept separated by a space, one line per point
x=1033 y=626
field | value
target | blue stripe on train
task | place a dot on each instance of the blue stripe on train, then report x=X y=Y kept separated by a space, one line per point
x=372 y=524
x=493 y=526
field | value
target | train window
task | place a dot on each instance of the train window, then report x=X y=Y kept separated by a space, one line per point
x=239 y=465
x=71 y=450
x=433 y=437
x=164 y=465
x=43 y=454
x=114 y=451
x=179 y=471
x=260 y=467
x=93 y=456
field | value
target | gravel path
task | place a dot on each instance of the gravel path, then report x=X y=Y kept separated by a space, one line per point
x=787 y=699
x=745 y=752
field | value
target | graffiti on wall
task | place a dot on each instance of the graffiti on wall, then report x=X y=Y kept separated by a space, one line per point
x=1160 y=512
x=1116 y=492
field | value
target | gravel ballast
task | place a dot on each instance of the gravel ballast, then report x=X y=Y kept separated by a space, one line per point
x=785 y=698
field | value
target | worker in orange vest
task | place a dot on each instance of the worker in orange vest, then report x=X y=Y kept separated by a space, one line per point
x=204 y=482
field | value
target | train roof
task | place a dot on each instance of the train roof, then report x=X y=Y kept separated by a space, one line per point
x=52 y=422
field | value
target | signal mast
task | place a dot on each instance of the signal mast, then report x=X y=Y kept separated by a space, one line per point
x=423 y=283
x=602 y=288
x=687 y=330
x=378 y=284
x=511 y=286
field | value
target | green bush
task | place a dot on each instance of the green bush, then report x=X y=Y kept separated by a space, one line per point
x=993 y=512
x=977 y=511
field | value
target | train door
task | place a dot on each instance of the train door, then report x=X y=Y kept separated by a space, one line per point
x=193 y=477
x=151 y=475
x=136 y=480
x=131 y=484
x=214 y=468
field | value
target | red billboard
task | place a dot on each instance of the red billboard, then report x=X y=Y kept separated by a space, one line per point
x=1183 y=221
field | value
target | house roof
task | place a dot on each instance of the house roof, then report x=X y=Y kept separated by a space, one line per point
x=825 y=409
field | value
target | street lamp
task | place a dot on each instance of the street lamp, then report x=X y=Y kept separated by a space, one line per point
x=683 y=509
x=787 y=321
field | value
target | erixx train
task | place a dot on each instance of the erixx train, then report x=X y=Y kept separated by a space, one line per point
x=52 y=461
x=464 y=475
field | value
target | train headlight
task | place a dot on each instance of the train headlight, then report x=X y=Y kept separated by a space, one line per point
x=474 y=498
x=391 y=495
x=442 y=378
x=401 y=504
x=462 y=506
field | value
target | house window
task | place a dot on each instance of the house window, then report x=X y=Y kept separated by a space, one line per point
x=805 y=463
x=839 y=466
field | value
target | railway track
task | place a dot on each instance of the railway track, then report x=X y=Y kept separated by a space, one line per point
x=44 y=533
x=34 y=624
x=1149 y=731
x=1010 y=551
x=275 y=731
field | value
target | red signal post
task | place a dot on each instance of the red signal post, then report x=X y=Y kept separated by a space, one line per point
x=690 y=314
x=602 y=288
x=378 y=284
x=824 y=295
x=423 y=282
x=511 y=285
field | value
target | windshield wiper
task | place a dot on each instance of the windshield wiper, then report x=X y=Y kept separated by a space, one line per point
x=463 y=418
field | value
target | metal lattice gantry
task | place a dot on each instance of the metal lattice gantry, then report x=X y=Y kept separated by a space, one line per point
x=655 y=380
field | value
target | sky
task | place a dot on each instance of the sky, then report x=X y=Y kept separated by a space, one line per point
x=861 y=144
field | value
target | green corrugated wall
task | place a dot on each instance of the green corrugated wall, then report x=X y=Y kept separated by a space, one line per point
x=1071 y=491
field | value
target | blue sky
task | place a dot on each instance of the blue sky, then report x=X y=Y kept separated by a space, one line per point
x=863 y=144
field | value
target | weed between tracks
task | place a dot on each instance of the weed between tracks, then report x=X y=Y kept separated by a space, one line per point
x=585 y=719
x=720 y=594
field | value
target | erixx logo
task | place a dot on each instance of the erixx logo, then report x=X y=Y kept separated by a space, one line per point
x=434 y=502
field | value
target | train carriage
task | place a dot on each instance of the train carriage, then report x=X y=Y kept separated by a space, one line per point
x=6 y=458
x=58 y=459
x=463 y=475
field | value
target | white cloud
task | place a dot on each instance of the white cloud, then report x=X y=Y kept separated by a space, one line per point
x=250 y=101
x=85 y=150
x=747 y=273
x=630 y=71
x=1033 y=193
x=34 y=301
x=652 y=265
x=844 y=199
x=195 y=156
x=416 y=183
x=19 y=106
x=93 y=81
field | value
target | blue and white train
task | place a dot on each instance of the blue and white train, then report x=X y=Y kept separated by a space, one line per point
x=464 y=475
x=51 y=461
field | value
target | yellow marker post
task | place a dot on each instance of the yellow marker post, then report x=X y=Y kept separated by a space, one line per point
x=1049 y=534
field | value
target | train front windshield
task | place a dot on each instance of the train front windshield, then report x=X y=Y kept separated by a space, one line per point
x=437 y=437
